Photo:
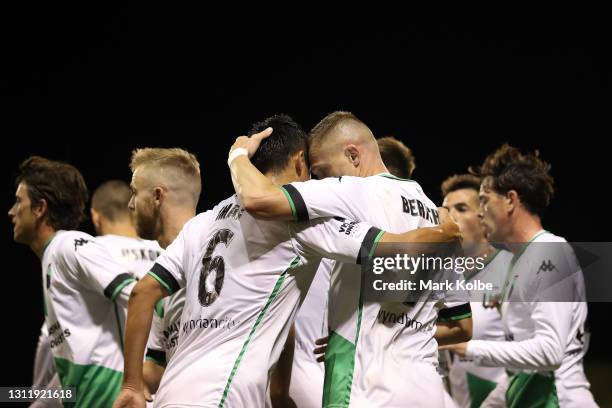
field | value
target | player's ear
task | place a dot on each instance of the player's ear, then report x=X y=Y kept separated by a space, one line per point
x=301 y=168
x=512 y=200
x=95 y=218
x=40 y=210
x=352 y=154
x=158 y=195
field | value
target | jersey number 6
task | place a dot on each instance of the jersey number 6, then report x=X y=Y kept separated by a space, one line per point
x=208 y=293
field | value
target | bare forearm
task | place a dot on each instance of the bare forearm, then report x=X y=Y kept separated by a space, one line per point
x=140 y=313
x=451 y=334
x=425 y=241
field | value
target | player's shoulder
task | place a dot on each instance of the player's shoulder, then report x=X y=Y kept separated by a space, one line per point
x=66 y=242
x=547 y=236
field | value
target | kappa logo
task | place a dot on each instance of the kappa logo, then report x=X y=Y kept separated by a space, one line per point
x=79 y=242
x=547 y=266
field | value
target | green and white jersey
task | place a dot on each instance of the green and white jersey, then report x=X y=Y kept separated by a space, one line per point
x=546 y=340
x=244 y=280
x=379 y=354
x=307 y=374
x=471 y=382
x=165 y=326
x=85 y=291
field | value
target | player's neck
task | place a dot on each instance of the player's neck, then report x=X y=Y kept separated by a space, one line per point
x=372 y=167
x=122 y=228
x=172 y=223
x=524 y=228
x=41 y=241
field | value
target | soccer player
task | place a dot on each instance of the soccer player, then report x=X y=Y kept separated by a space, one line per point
x=166 y=186
x=115 y=230
x=397 y=157
x=471 y=383
x=368 y=340
x=244 y=280
x=84 y=287
x=545 y=331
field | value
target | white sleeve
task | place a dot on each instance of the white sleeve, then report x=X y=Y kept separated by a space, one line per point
x=96 y=267
x=330 y=197
x=156 y=352
x=456 y=301
x=43 y=360
x=552 y=320
x=336 y=238
x=168 y=269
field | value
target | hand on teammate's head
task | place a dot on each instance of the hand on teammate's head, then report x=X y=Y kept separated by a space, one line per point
x=251 y=144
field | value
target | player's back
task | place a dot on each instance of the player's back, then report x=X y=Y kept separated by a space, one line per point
x=368 y=340
x=243 y=280
x=136 y=253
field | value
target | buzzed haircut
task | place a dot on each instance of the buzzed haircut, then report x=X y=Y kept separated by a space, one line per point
x=111 y=200
x=61 y=185
x=184 y=162
x=329 y=123
x=460 y=182
x=287 y=139
x=397 y=157
x=525 y=173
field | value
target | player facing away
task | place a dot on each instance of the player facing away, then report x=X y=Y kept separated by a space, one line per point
x=166 y=186
x=115 y=230
x=244 y=280
x=368 y=340
x=545 y=334
x=470 y=382
x=85 y=288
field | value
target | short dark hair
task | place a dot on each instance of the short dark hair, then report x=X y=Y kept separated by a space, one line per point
x=111 y=200
x=527 y=174
x=287 y=139
x=459 y=182
x=61 y=185
x=398 y=158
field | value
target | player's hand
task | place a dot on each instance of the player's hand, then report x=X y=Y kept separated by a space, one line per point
x=448 y=223
x=459 y=348
x=129 y=398
x=320 y=351
x=251 y=144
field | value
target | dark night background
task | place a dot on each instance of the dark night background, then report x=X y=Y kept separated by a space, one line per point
x=89 y=85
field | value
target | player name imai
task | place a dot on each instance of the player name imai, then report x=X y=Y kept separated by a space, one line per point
x=406 y=284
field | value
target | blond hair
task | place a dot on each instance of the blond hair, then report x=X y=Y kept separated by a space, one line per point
x=183 y=164
x=329 y=123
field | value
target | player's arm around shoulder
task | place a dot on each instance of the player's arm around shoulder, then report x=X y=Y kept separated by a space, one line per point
x=257 y=194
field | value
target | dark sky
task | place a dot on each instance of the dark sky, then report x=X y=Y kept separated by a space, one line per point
x=89 y=85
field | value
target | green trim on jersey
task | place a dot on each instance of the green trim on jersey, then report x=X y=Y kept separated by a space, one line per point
x=119 y=326
x=159 y=308
x=455 y=318
x=532 y=390
x=95 y=386
x=161 y=281
x=120 y=287
x=155 y=361
x=277 y=287
x=479 y=389
x=375 y=244
x=291 y=204
x=339 y=367
x=391 y=176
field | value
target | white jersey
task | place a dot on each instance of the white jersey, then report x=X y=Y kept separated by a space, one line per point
x=306 y=387
x=470 y=382
x=138 y=255
x=370 y=340
x=542 y=334
x=85 y=295
x=165 y=326
x=244 y=279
